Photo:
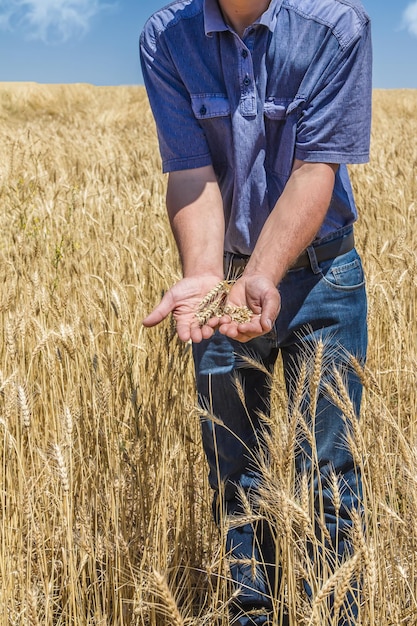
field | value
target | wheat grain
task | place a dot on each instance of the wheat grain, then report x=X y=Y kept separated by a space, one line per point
x=214 y=305
x=62 y=468
x=315 y=377
x=32 y=608
x=340 y=580
x=25 y=413
x=167 y=602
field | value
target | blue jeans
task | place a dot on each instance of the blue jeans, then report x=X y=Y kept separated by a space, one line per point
x=325 y=301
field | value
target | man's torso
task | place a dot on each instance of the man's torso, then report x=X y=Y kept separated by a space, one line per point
x=250 y=106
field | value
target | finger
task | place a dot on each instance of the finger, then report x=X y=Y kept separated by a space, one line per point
x=233 y=333
x=213 y=322
x=184 y=330
x=193 y=331
x=195 y=334
x=254 y=327
x=242 y=332
x=230 y=329
x=161 y=311
x=270 y=310
x=207 y=331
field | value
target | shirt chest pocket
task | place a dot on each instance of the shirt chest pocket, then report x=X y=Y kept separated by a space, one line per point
x=280 y=135
x=212 y=112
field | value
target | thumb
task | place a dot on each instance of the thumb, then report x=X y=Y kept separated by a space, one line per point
x=161 y=311
x=270 y=309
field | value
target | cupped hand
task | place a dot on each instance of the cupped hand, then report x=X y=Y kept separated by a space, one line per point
x=261 y=296
x=182 y=300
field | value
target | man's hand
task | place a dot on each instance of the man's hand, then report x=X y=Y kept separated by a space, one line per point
x=182 y=300
x=261 y=296
x=258 y=293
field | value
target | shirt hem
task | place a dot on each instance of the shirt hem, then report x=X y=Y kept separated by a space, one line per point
x=175 y=165
x=331 y=157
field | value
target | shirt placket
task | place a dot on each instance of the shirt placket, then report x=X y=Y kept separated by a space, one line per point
x=247 y=105
x=242 y=60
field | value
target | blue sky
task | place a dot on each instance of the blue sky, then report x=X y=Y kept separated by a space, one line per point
x=95 y=41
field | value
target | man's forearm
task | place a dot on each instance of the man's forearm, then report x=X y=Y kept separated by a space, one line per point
x=195 y=210
x=294 y=221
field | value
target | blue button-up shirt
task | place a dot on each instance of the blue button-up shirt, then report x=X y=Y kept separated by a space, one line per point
x=296 y=85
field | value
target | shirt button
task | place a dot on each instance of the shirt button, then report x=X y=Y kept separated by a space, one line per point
x=203 y=110
x=246 y=81
x=244 y=53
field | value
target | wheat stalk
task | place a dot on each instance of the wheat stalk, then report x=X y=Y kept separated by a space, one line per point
x=85 y=248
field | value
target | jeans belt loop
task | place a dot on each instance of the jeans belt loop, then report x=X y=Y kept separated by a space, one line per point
x=313 y=260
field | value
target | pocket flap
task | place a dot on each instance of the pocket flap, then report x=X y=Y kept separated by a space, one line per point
x=206 y=106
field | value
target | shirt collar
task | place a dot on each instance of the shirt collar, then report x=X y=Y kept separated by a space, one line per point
x=214 y=22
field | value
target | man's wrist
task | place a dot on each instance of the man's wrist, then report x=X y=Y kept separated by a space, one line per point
x=202 y=272
x=272 y=271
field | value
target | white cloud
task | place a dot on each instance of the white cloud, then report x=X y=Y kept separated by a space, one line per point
x=410 y=18
x=49 y=20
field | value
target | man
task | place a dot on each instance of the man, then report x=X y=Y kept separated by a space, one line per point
x=259 y=106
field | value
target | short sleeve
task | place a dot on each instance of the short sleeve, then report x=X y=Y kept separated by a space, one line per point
x=182 y=141
x=335 y=120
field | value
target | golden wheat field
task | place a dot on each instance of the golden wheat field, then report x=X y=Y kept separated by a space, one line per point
x=105 y=515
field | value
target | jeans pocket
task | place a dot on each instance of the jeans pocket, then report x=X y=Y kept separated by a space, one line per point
x=345 y=273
